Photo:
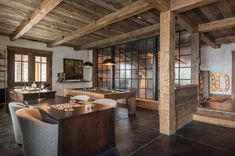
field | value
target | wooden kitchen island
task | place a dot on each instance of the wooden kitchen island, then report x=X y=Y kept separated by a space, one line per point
x=82 y=131
x=130 y=96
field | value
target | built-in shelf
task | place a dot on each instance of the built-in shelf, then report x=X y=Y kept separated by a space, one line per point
x=72 y=81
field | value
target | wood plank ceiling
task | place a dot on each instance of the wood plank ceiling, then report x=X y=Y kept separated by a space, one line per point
x=70 y=15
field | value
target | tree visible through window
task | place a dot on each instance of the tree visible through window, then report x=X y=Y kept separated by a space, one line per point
x=21 y=68
x=40 y=69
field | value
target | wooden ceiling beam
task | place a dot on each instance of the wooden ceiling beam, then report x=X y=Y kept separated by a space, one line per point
x=186 y=23
x=45 y=7
x=227 y=39
x=161 y=5
x=208 y=40
x=119 y=15
x=217 y=25
x=117 y=38
x=185 y=5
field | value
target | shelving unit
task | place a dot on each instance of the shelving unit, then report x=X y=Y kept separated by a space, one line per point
x=3 y=78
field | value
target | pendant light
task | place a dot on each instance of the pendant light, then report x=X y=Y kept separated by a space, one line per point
x=87 y=63
x=109 y=61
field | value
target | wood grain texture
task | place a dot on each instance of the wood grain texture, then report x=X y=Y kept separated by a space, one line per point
x=227 y=39
x=217 y=25
x=124 y=13
x=186 y=99
x=161 y=5
x=112 y=40
x=45 y=7
x=167 y=73
x=184 y=5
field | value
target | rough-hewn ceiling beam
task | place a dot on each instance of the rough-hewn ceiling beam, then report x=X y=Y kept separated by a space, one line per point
x=161 y=5
x=217 y=25
x=208 y=40
x=227 y=39
x=124 y=13
x=45 y=7
x=186 y=23
x=185 y=5
x=117 y=38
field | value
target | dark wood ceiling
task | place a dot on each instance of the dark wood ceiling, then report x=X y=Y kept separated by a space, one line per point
x=72 y=14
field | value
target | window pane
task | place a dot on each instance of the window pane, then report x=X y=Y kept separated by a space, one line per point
x=128 y=73
x=134 y=73
x=17 y=71
x=37 y=71
x=116 y=83
x=149 y=84
x=128 y=65
x=122 y=84
x=149 y=73
x=185 y=82
x=122 y=65
x=135 y=83
x=149 y=63
x=134 y=65
x=185 y=73
x=149 y=94
x=37 y=59
x=141 y=64
x=142 y=93
x=25 y=58
x=122 y=74
x=44 y=59
x=44 y=72
x=17 y=57
x=185 y=61
x=142 y=83
x=128 y=83
x=25 y=72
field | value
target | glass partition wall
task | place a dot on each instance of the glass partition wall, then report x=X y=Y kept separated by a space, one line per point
x=137 y=66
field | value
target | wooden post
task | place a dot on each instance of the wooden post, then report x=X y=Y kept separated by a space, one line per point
x=167 y=73
x=195 y=70
x=233 y=75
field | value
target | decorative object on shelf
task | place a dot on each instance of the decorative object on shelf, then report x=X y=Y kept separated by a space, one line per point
x=34 y=85
x=87 y=63
x=61 y=77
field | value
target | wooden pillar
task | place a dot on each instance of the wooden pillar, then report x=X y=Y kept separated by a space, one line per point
x=167 y=73
x=195 y=70
x=233 y=75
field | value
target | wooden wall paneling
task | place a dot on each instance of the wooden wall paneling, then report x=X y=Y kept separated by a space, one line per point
x=233 y=75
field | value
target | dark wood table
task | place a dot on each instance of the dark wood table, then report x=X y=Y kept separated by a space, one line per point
x=130 y=96
x=82 y=132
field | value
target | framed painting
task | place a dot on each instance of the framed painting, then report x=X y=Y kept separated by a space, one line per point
x=73 y=69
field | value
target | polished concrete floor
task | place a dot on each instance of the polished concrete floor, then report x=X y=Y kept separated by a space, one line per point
x=139 y=136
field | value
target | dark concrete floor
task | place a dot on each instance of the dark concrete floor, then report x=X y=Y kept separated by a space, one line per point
x=139 y=136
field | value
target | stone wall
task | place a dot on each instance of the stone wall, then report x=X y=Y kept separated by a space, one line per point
x=186 y=98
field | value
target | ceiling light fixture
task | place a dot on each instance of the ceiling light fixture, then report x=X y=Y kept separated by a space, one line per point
x=109 y=61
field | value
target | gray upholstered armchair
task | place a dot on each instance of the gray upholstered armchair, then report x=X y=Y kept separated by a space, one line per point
x=39 y=138
x=13 y=107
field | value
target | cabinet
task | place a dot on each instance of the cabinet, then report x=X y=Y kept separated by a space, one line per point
x=3 y=78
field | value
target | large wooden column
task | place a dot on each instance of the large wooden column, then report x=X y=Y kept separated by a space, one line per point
x=167 y=73
x=195 y=70
x=233 y=75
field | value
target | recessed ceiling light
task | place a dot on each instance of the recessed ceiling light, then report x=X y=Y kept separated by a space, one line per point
x=71 y=16
x=139 y=17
